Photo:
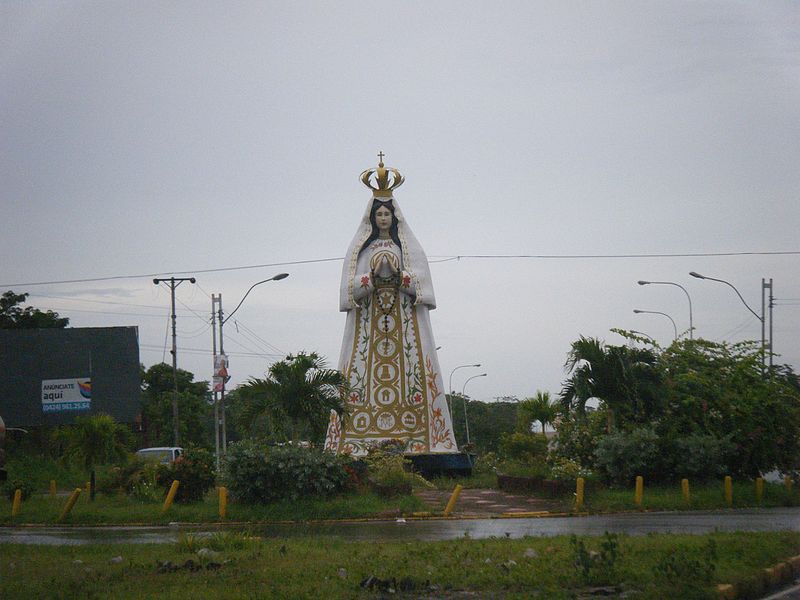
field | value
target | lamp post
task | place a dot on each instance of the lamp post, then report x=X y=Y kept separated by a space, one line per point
x=761 y=318
x=222 y=322
x=464 y=398
x=655 y=312
x=450 y=384
x=691 y=326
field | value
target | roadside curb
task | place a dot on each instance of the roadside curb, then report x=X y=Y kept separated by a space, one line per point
x=421 y=516
x=771 y=579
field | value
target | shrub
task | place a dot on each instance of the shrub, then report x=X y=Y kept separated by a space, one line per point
x=621 y=456
x=388 y=471
x=256 y=473
x=577 y=437
x=12 y=485
x=194 y=469
x=486 y=463
x=526 y=447
x=698 y=456
x=564 y=469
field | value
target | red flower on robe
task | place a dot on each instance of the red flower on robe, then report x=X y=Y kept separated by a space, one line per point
x=406 y=281
x=417 y=398
x=354 y=397
x=365 y=281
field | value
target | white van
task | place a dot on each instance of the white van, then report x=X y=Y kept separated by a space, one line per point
x=162 y=454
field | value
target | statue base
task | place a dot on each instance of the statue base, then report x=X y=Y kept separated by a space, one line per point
x=455 y=465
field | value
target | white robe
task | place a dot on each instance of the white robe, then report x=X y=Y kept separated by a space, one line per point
x=388 y=351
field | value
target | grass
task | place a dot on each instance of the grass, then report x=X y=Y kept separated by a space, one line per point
x=120 y=509
x=705 y=496
x=38 y=471
x=245 y=567
x=481 y=480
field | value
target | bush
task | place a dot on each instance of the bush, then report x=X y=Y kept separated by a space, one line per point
x=388 y=471
x=577 y=437
x=621 y=456
x=564 y=469
x=255 y=473
x=194 y=469
x=698 y=456
x=12 y=485
x=525 y=447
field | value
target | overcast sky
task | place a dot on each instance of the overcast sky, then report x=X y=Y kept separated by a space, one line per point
x=180 y=137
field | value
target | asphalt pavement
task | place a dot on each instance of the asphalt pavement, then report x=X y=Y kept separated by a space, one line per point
x=694 y=522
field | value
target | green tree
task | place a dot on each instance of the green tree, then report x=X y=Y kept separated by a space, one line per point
x=13 y=316
x=297 y=396
x=157 y=392
x=539 y=408
x=95 y=440
x=488 y=421
x=720 y=390
x=624 y=379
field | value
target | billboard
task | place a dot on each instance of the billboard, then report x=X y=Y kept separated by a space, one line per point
x=53 y=375
x=66 y=394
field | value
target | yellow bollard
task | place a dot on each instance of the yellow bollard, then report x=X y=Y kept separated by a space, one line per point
x=579 y=487
x=787 y=481
x=17 y=502
x=223 y=502
x=52 y=488
x=685 y=490
x=728 y=491
x=451 y=504
x=639 y=494
x=759 y=489
x=173 y=489
x=70 y=503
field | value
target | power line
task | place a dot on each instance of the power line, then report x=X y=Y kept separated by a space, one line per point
x=442 y=258
x=161 y=274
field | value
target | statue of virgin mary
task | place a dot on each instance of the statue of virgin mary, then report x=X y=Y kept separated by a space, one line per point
x=388 y=352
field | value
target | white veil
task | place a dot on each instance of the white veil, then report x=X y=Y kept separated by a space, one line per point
x=414 y=259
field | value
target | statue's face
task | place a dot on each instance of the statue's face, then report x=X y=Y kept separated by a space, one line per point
x=383 y=218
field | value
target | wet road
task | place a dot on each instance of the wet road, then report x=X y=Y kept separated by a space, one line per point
x=776 y=519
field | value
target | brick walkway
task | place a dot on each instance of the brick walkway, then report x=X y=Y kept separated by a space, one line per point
x=487 y=502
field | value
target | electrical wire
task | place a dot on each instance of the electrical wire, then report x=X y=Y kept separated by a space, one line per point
x=444 y=258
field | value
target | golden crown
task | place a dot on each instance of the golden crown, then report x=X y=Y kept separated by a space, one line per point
x=386 y=179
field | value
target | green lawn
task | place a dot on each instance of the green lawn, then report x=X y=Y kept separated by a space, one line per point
x=710 y=495
x=120 y=509
x=647 y=567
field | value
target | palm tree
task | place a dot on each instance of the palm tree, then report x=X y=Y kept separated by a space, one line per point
x=538 y=409
x=623 y=378
x=300 y=391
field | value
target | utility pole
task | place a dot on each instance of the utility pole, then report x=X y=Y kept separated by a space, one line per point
x=213 y=387
x=173 y=283
x=771 y=304
x=223 y=423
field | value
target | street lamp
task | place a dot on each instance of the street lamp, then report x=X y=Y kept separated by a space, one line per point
x=456 y=369
x=450 y=384
x=222 y=322
x=755 y=314
x=691 y=327
x=464 y=398
x=655 y=312
x=277 y=277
